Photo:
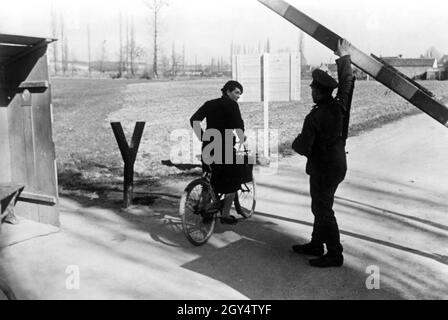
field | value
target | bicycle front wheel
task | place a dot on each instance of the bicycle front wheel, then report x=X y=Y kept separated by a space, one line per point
x=245 y=200
x=198 y=221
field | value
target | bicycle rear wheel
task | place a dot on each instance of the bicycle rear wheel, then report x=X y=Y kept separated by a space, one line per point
x=198 y=221
x=245 y=199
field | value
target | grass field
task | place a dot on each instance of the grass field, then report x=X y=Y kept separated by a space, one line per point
x=86 y=148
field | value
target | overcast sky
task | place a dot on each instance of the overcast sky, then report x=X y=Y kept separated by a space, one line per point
x=207 y=27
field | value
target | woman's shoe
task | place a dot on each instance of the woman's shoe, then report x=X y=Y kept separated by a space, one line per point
x=229 y=220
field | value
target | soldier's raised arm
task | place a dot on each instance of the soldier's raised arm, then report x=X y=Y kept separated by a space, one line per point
x=345 y=73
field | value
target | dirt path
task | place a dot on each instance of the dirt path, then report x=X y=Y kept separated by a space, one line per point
x=391 y=209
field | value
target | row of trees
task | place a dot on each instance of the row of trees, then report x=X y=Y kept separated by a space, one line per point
x=133 y=59
x=130 y=53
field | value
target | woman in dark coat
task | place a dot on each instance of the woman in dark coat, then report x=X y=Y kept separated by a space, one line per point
x=223 y=116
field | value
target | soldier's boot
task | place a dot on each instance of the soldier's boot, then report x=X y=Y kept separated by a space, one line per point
x=328 y=261
x=310 y=249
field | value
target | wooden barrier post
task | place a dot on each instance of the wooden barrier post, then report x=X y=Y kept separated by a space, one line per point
x=129 y=154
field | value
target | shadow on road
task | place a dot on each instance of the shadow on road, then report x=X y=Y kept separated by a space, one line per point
x=254 y=257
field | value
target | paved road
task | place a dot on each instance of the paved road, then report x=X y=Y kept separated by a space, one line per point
x=391 y=211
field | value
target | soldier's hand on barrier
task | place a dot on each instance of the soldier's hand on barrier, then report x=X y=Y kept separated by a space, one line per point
x=343 y=48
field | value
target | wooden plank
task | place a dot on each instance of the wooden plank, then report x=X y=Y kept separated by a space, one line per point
x=38 y=198
x=394 y=81
x=17 y=142
x=45 y=154
x=30 y=147
x=44 y=196
x=34 y=86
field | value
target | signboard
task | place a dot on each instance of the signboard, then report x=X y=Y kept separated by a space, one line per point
x=276 y=74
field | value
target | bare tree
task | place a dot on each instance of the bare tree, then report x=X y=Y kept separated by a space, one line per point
x=73 y=63
x=432 y=52
x=303 y=61
x=232 y=52
x=54 y=34
x=126 y=63
x=155 y=7
x=165 y=62
x=66 y=56
x=268 y=46
x=89 y=49
x=103 y=56
x=174 y=61
x=183 y=59
x=120 y=62
x=132 y=46
x=63 y=45
x=135 y=51
x=212 y=65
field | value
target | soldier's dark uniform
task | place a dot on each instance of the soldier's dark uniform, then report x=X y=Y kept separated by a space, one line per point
x=322 y=142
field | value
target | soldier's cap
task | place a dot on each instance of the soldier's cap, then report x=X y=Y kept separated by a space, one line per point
x=323 y=80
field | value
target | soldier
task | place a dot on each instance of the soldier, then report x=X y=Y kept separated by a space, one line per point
x=323 y=143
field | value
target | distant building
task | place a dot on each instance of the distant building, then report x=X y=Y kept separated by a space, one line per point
x=414 y=68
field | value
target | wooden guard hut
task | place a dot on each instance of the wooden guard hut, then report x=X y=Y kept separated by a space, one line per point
x=27 y=152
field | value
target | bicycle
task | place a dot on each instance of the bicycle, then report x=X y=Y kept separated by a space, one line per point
x=199 y=207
